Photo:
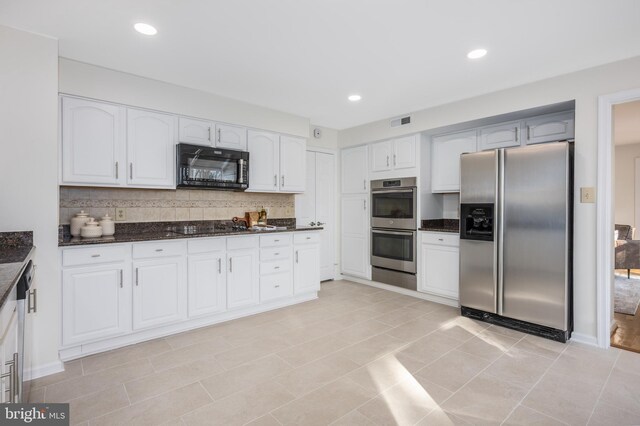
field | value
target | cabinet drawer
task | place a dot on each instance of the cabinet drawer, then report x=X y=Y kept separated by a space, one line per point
x=441 y=238
x=275 y=240
x=276 y=286
x=234 y=243
x=93 y=255
x=159 y=249
x=275 y=266
x=306 y=238
x=206 y=245
x=275 y=253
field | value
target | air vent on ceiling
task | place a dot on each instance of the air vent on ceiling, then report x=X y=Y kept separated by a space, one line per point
x=401 y=121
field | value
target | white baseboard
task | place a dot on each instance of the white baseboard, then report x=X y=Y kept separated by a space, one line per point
x=419 y=295
x=43 y=370
x=584 y=338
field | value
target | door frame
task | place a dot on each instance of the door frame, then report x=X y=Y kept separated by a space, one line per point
x=605 y=216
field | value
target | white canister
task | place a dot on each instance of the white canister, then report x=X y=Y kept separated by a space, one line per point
x=78 y=222
x=91 y=229
x=108 y=226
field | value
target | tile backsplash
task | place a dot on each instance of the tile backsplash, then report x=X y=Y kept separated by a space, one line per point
x=153 y=205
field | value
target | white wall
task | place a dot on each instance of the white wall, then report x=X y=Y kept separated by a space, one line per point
x=624 y=171
x=583 y=86
x=28 y=169
x=327 y=140
x=82 y=79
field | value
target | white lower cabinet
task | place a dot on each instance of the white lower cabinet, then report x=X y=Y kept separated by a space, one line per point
x=243 y=284
x=356 y=254
x=276 y=275
x=207 y=283
x=9 y=351
x=96 y=302
x=439 y=264
x=159 y=292
x=306 y=266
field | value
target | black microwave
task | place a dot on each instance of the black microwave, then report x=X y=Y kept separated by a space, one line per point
x=205 y=167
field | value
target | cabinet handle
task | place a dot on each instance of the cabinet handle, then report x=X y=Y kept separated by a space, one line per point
x=159 y=250
x=12 y=375
x=219 y=266
x=219 y=137
x=277 y=286
x=209 y=133
x=136 y=277
x=364 y=184
x=276 y=254
x=387 y=161
x=276 y=241
x=364 y=204
x=394 y=159
x=440 y=239
x=276 y=267
x=312 y=224
x=528 y=132
x=116 y=170
x=320 y=223
x=296 y=256
x=516 y=129
x=308 y=238
x=282 y=181
x=121 y=284
x=275 y=180
x=95 y=255
x=33 y=296
x=130 y=170
x=230 y=264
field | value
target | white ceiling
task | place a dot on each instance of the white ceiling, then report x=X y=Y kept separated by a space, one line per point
x=306 y=56
x=626 y=123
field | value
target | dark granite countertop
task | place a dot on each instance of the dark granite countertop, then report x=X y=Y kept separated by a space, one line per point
x=441 y=225
x=16 y=249
x=153 y=231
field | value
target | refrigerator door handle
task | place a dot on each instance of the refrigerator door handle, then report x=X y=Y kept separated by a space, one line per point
x=499 y=246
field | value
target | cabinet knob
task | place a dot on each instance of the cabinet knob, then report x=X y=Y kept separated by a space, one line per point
x=159 y=250
x=95 y=255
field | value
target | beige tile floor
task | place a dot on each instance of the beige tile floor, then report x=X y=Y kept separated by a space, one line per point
x=356 y=356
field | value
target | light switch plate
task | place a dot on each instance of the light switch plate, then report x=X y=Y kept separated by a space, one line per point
x=587 y=194
x=120 y=215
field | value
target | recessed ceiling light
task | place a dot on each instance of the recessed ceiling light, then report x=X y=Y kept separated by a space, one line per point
x=145 y=29
x=354 y=98
x=476 y=54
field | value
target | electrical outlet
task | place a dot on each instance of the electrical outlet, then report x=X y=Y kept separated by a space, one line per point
x=588 y=194
x=120 y=214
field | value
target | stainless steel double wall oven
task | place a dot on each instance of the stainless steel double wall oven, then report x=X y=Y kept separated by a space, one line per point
x=393 y=231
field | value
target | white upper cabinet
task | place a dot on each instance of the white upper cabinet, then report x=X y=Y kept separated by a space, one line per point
x=151 y=149
x=500 y=136
x=263 y=161
x=198 y=132
x=381 y=156
x=93 y=143
x=393 y=154
x=354 y=168
x=231 y=137
x=276 y=163
x=445 y=159
x=549 y=128
x=404 y=152
x=293 y=154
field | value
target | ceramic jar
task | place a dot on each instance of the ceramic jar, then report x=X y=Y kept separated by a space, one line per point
x=91 y=229
x=108 y=226
x=78 y=222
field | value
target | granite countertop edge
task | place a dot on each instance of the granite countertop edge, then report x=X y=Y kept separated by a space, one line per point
x=157 y=236
x=7 y=285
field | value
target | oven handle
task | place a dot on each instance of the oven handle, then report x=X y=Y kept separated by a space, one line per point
x=377 y=231
x=382 y=191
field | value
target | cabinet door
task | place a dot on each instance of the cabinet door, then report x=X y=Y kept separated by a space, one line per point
x=159 y=292
x=306 y=268
x=445 y=159
x=550 y=128
x=93 y=141
x=151 y=149
x=207 y=283
x=440 y=273
x=404 y=152
x=197 y=132
x=231 y=137
x=263 y=161
x=355 y=256
x=326 y=213
x=243 y=282
x=293 y=152
x=9 y=348
x=355 y=236
x=381 y=156
x=95 y=303
x=355 y=215
x=354 y=170
x=500 y=136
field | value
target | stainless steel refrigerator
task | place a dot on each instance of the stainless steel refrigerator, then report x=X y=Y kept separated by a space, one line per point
x=516 y=221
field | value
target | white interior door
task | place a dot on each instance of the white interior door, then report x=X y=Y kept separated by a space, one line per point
x=306 y=201
x=325 y=211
